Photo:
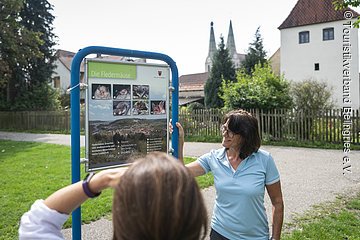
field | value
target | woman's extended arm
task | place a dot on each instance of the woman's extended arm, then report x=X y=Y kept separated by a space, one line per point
x=46 y=217
x=194 y=167
x=181 y=142
x=70 y=197
x=274 y=191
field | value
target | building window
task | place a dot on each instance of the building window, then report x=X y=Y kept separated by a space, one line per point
x=328 y=34
x=317 y=66
x=56 y=82
x=304 y=37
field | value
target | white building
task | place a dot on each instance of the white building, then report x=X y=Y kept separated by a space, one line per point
x=318 y=42
x=61 y=76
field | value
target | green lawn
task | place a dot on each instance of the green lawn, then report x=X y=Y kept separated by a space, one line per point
x=338 y=220
x=33 y=171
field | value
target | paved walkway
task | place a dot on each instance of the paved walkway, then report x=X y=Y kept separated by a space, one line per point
x=308 y=176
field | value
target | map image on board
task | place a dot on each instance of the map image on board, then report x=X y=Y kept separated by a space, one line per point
x=121 y=108
x=114 y=143
x=101 y=91
x=122 y=92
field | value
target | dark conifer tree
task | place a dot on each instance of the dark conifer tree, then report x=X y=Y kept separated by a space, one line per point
x=255 y=54
x=222 y=69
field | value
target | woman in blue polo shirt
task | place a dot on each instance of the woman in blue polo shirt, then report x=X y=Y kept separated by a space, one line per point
x=242 y=172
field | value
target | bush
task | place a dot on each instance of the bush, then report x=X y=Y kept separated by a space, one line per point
x=311 y=95
x=263 y=90
x=195 y=106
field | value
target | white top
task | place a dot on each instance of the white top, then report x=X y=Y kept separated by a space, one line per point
x=41 y=222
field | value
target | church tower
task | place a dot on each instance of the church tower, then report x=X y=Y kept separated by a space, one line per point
x=230 y=45
x=212 y=49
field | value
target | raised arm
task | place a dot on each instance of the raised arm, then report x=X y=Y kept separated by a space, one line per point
x=181 y=142
x=45 y=218
x=194 y=167
x=70 y=197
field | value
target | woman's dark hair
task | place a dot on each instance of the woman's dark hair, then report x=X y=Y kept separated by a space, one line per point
x=158 y=199
x=243 y=123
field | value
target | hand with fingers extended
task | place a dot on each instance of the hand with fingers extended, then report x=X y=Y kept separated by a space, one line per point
x=181 y=138
x=181 y=131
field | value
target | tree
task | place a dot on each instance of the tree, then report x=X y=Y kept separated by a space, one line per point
x=17 y=46
x=255 y=54
x=344 y=4
x=222 y=69
x=26 y=55
x=263 y=90
x=311 y=95
x=36 y=16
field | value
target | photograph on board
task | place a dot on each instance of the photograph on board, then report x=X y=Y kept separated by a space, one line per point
x=101 y=91
x=122 y=92
x=121 y=108
x=140 y=108
x=158 y=107
x=141 y=91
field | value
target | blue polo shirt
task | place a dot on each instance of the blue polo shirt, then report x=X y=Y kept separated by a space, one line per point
x=239 y=211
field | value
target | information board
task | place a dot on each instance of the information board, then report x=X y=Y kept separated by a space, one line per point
x=127 y=111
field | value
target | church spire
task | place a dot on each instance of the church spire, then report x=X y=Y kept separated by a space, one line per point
x=212 y=49
x=230 y=45
x=212 y=43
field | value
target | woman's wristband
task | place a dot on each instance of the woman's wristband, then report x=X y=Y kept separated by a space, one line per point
x=85 y=186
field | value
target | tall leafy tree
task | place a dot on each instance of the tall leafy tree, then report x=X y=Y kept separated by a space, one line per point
x=36 y=16
x=222 y=69
x=17 y=46
x=255 y=54
x=25 y=55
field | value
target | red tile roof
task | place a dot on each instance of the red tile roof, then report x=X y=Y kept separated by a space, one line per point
x=193 y=81
x=308 y=12
x=66 y=58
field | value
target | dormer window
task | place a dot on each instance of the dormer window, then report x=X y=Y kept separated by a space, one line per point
x=304 y=37
x=328 y=34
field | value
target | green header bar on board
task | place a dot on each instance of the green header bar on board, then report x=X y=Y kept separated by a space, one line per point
x=111 y=70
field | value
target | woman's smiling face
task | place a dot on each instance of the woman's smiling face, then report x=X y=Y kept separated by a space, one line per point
x=230 y=139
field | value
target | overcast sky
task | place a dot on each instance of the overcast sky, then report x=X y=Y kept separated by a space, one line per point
x=179 y=29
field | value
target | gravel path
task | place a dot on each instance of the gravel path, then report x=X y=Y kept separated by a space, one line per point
x=308 y=176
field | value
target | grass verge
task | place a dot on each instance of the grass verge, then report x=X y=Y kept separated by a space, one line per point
x=304 y=144
x=33 y=171
x=337 y=220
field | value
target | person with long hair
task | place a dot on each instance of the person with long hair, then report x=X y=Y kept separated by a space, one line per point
x=242 y=171
x=156 y=198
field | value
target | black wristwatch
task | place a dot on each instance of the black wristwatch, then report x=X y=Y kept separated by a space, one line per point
x=85 y=185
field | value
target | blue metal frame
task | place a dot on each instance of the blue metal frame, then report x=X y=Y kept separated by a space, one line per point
x=75 y=109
